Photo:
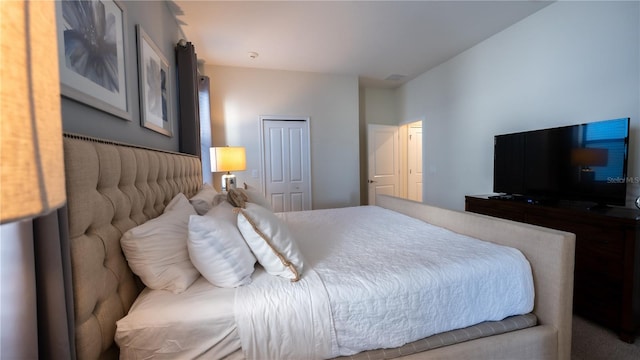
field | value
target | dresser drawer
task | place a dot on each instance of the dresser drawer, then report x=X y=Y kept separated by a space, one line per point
x=599 y=251
x=608 y=242
x=595 y=238
x=587 y=261
x=496 y=208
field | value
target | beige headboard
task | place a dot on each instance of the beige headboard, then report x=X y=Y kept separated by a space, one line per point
x=112 y=187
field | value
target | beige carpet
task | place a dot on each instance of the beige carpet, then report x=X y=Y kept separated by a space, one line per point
x=592 y=342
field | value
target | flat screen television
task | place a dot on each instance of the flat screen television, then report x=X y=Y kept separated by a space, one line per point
x=586 y=162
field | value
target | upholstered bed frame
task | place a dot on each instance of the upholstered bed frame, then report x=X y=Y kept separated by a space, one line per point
x=113 y=187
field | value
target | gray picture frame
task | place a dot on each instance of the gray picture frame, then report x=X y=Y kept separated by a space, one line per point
x=154 y=82
x=93 y=69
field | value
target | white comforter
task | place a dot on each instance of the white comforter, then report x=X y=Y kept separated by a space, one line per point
x=377 y=279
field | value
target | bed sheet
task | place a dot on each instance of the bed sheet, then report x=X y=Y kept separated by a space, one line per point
x=198 y=322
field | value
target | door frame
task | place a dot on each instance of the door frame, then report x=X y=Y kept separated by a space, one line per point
x=409 y=126
x=263 y=164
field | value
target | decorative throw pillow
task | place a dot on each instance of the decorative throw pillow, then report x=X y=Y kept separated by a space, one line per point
x=203 y=200
x=271 y=242
x=252 y=197
x=157 y=250
x=217 y=248
x=237 y=198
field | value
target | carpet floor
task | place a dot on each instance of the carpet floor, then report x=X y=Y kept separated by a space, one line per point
x=592 y=342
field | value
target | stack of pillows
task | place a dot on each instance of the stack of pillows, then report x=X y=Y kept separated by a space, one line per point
x=218 y=236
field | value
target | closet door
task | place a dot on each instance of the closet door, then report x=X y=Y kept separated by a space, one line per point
x=286 y=160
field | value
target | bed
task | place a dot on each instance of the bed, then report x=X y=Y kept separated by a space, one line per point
x=113 y=188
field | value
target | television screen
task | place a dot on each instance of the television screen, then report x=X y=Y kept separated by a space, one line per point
x=586 y=162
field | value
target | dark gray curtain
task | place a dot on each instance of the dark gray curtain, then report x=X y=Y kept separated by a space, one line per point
x=54 y=290
x=188 y=98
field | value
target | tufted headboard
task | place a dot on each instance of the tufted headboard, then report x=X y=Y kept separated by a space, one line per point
x=112 y=187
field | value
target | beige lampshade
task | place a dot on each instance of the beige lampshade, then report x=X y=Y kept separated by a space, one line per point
x=228 y=158
x=32 y=168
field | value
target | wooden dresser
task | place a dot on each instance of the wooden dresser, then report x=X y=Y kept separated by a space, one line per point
x=607 y=261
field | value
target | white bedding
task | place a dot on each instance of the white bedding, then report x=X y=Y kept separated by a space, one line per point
x=373 y=278
x=163 y=325
x=293 y=317
x=389 y=280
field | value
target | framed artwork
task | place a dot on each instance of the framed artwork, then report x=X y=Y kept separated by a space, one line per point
x=91 y=53
x=155 y=87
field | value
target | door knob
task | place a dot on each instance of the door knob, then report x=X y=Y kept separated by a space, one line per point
x=371 y=181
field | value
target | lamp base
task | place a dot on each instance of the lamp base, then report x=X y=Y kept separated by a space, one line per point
x=228 y=182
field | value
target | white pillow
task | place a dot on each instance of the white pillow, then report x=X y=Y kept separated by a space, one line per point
x=157 y=250
x=203 y=200
x=271 y=242
x=217 y=248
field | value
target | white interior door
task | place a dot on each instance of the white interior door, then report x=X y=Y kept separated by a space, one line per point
x=286 y=160
x=384 y=169
x=414 y=160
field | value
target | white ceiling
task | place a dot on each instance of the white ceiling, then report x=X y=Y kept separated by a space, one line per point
x=369 y=39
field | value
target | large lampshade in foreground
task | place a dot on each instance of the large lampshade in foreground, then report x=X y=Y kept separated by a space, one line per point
x=227 y=159
x=32 y=167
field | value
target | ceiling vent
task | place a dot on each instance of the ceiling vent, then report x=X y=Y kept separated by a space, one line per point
x=395 y=77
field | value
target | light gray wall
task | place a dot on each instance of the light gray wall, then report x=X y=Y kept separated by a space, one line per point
x=160 y=24
x=239 y=96
x=380 y=106
x=569 y=63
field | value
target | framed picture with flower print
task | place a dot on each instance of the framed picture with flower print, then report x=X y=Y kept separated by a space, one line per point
x=154 y=81
x=91 y=53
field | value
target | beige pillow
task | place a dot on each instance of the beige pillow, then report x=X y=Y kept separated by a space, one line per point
x=253 y=196
x=157 y=250
x=271 y=242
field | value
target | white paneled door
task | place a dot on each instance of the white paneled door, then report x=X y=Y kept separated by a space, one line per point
x=384 y=169
x=286 y=160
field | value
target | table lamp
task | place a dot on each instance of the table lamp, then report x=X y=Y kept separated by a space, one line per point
x=227 y=159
